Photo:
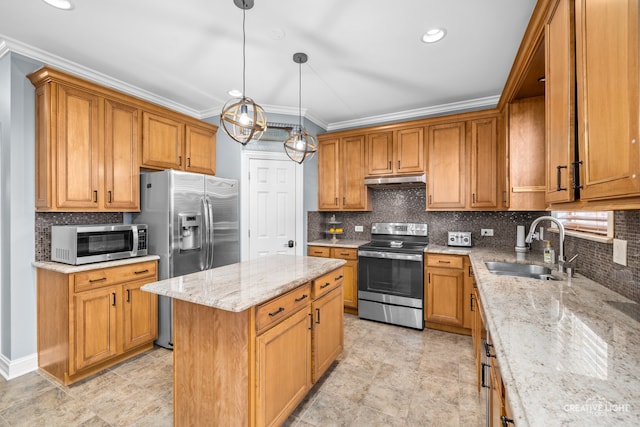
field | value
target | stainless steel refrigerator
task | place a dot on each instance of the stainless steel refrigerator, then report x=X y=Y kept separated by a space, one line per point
x=192 y=225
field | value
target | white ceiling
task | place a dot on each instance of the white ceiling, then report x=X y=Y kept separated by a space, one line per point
x=366 y=64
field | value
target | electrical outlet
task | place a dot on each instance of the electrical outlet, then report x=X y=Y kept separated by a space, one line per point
x=486 y=232
x=359 y=229
x=620 y=251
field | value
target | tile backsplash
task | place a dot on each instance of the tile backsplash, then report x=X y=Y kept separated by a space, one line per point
x=44 y=221
x=595 y=260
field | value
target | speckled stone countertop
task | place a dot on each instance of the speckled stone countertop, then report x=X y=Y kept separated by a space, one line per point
x=69 y=269
x=339 y=243
x=569 y=350
x=237 y=287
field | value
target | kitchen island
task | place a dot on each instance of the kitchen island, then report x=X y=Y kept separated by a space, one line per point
x=251 y=338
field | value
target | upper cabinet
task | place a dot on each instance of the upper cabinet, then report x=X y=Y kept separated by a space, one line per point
x=90 y=141
x=608 y=78
x=463 y=163
x=396 y=152
x=341 y=166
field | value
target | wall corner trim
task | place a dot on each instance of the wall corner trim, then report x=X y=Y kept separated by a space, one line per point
x=11 y=369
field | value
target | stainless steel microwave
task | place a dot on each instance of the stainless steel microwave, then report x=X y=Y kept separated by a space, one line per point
x=84 y=244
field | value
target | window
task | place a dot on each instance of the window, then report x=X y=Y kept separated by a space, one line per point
x=592 y=225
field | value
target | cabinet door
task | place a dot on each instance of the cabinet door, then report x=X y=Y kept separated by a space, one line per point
x=200 y=150
x=350 y=284
x=484 y=163
x=352 y=189
x=140 y=315
x=607 y=66
x=444 y=296
x=328 y=333
x=328 y=174
x=409 y=151
x=447 y=168
x=560 y=103
x=468 y=303
x=78 y=148
x=121 y=169
x=162 y=142
x=380 y=154
x=283 y=368
x=95 y=318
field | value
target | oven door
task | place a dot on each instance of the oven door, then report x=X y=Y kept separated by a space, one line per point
x=94 y=244
x=395 y=278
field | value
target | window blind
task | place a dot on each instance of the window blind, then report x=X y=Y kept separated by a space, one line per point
x=595 y=222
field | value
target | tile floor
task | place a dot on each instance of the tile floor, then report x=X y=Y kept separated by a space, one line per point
x=386 y=376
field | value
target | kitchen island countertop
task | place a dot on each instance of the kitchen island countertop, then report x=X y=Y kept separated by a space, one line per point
x=569 y=350
x=237 y=287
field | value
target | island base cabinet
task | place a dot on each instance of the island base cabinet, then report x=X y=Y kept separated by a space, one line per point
x=328 y=331
x=283 y=363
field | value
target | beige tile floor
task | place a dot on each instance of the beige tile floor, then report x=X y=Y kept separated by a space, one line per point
x=386 y=376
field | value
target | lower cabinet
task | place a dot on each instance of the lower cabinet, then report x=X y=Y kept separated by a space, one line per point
x=328 y=331
x=444 y=288
x=350 y=281
x=93 y=319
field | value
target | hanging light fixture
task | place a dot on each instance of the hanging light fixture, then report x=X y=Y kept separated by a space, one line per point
x=300 y=145
x=241 y=118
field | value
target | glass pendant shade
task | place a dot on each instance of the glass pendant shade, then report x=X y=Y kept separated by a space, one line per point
x=243 y=120
x=300 y=146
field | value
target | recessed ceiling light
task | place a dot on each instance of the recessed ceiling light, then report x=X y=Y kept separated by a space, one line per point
x=60 y=4
x=434 y=35
x=235 y=93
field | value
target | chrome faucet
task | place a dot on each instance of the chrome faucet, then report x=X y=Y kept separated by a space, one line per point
x=532 y=234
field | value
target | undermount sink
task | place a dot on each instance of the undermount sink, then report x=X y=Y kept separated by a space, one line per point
x=531 y=271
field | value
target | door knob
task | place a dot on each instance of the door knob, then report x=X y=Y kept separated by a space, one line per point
x=290 y=243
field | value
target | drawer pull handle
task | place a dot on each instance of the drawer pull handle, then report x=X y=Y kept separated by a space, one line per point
x=325 y=285
x=301 y=298
x=146 y=270
x=338 y=278
x=102 y=279
x=109 y=193
x=310 y=321
x=128 y=295
x=483 y=381
x=95 y=196
x=440 y=261
x=318 y=313
x=506 y=421
x=114 y=298
x=278 y=311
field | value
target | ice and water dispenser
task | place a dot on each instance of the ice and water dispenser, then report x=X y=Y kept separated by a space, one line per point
x=190 y=231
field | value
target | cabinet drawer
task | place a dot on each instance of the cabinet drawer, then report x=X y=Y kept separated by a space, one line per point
x=93 y=279
x=271 y=312
x=344 y=253
x=321 y=251
x=445 y=261
x=329 y=281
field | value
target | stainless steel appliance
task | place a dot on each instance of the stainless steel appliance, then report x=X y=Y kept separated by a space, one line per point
x=391 y=274
x=193 y=226
x=84 y=244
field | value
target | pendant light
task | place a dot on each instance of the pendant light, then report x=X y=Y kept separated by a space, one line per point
x=241 y=118
x=300 y=145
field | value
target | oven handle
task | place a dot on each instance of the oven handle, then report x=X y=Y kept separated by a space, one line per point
x=390 y=255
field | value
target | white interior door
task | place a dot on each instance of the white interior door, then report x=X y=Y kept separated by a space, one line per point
x=273 y=208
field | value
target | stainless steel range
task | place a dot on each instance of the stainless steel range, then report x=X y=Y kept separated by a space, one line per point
x=391 y=274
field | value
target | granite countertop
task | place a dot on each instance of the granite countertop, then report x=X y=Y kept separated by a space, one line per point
x=69 y=269
x=569 y=350
x=237 y=287
x=344 y=243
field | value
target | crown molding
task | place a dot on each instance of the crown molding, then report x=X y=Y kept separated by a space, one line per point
x=436 y=110
x=8 y=45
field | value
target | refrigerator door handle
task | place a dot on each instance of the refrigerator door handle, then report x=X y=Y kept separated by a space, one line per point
x=205 y=234
x=210 y=230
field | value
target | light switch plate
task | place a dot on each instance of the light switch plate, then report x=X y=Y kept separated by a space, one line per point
x=620 y=251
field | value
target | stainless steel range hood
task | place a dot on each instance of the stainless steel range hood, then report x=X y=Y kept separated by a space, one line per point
x=397 y=181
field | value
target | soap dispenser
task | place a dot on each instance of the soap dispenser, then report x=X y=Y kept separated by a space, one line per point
x=549 y=253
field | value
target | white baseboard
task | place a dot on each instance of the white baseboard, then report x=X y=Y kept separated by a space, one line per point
x=11 y=369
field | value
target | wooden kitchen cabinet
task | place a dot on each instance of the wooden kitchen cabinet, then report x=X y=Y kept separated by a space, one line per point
x=395 y=152
x=350 y=271
x=92 y=319
x=478 y=334
x=463 y=163
x=170 y=143
x=328 y=329
x=341 y=168
x=444 y=290
x=607 y=57
x=469 y=283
